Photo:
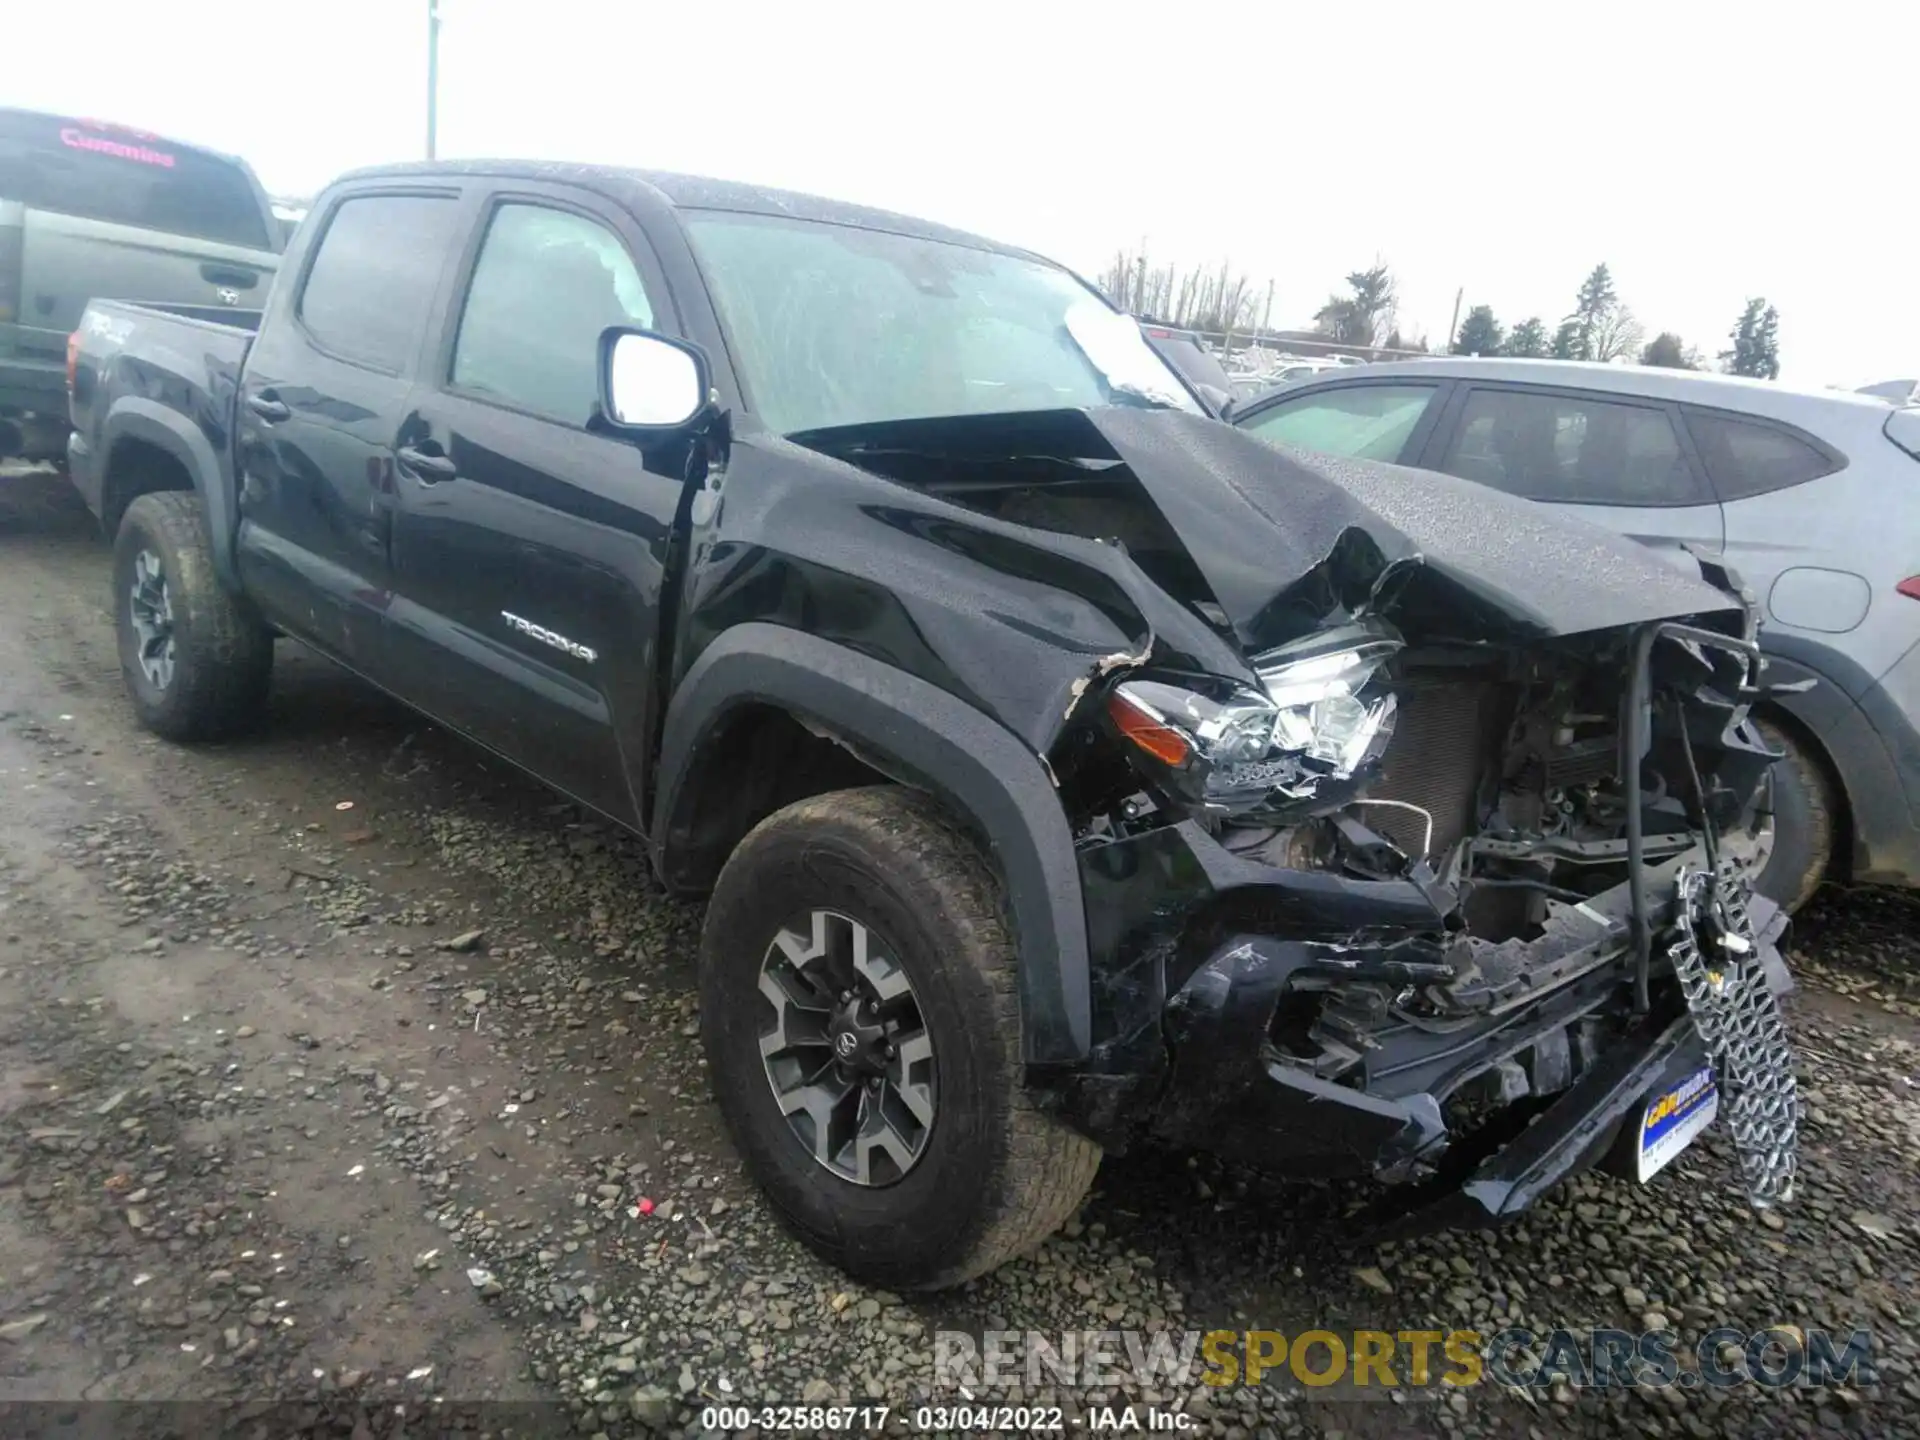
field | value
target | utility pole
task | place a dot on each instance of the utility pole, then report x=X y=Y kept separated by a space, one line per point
x=433 y=77
x=1453 y=326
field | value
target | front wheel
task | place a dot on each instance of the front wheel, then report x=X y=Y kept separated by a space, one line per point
x=862 y=1026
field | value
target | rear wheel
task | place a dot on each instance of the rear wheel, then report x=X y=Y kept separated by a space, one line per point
x=858 y=1002
x=197 y=661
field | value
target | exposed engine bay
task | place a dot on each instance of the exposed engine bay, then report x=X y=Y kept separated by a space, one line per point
x=1497 y=787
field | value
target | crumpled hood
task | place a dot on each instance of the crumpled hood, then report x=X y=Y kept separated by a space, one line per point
x=1288 y=542
x=1013 y=558
x=1283 y=537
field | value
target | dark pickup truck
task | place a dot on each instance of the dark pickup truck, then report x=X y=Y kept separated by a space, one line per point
x=1069 y=770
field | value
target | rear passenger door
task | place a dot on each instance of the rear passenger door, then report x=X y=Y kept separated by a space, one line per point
x=1614 y=461
x=323 y=397
x=529 y=550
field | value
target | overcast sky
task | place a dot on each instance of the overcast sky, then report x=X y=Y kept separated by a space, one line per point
x=1706 y=151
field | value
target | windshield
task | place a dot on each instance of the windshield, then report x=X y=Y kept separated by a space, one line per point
x=837 y=325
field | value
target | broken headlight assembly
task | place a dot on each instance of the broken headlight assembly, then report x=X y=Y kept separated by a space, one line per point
x=1321 y=716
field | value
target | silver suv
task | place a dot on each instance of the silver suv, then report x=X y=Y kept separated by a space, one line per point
x=1813 y=496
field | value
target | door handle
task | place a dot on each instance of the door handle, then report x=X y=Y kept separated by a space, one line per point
x=429 y=468
x=268 y=408
x=227 y=275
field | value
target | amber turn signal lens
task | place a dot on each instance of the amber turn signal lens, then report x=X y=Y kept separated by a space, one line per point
x=1147 y=731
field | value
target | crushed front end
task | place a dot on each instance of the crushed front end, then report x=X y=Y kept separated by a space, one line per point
x=1448 y=915
x=1414 y=822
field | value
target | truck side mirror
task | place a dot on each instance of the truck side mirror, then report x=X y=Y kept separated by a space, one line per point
x=651 y=384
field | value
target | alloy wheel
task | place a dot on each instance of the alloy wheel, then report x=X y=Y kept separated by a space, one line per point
x=846 y=1048
x=151 y=609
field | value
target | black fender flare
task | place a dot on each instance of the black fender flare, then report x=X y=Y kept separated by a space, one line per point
x=133 y=417
x=920 y=735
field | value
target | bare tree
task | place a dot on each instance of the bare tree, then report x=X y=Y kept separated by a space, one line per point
x=1615 y=333
x=1193 y=299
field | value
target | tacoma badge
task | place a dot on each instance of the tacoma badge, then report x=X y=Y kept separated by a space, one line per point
x=548 y=637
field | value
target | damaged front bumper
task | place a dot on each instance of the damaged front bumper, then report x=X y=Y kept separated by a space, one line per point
x=1200 y=1009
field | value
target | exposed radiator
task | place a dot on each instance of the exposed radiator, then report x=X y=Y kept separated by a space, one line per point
x=1441 y=741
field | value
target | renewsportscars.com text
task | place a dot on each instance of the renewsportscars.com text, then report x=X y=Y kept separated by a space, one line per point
x=1386 y=1359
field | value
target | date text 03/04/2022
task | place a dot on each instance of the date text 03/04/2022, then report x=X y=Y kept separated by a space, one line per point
x=964 y=1419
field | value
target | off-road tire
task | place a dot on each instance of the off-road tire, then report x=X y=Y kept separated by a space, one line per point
x=997 y=1175
x=223 y=652
x=1803 y=819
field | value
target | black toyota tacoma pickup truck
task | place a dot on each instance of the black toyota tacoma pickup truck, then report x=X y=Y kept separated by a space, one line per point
x=1068 y=770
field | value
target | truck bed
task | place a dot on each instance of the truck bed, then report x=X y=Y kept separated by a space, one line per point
x=136 y=367
x=155 y=316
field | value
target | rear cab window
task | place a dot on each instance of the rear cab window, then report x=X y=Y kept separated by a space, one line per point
x=96 y=171
x=1745 y=458
x=1572 y=449
x=1370 y=422
x=373 y=276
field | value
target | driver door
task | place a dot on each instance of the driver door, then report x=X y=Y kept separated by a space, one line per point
x=529 y=550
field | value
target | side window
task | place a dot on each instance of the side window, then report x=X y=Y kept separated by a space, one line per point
x=546 y=285
x=1744 y=458
x=1573 y=449
x=1369 y=421
x=373 y=277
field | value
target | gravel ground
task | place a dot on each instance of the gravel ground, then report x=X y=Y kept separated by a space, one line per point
x=343 y=1069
